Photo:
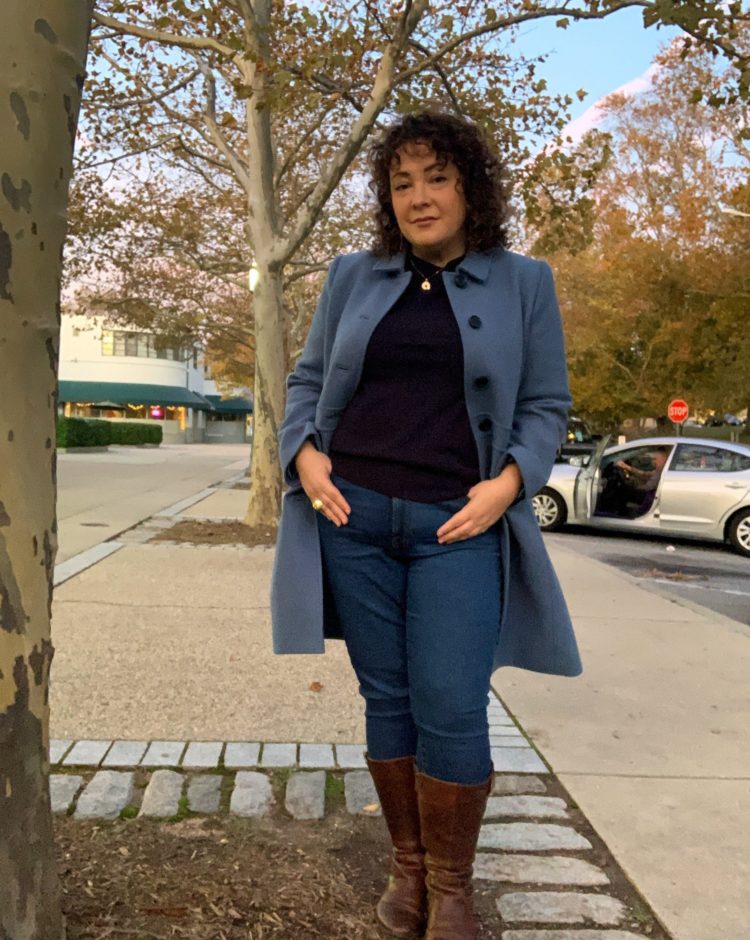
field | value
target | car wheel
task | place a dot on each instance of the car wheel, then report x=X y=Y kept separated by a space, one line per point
x=739 y=532
x=549 y=509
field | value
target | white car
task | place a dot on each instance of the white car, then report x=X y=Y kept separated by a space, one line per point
x=689 y=487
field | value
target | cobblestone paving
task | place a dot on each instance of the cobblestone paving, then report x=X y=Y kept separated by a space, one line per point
x=541 y=894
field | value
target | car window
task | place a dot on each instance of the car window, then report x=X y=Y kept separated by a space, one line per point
x=642 y=458
x=698 y=457
x=629 y=480
x=578 y=431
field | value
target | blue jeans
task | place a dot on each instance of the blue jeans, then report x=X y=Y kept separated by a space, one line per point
x=421 y=621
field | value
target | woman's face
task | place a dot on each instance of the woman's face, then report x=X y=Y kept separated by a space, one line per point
x=429 y=203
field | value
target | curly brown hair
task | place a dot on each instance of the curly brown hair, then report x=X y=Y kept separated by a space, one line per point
x=482 y=175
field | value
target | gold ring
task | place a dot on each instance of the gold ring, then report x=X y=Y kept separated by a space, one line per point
x=317 y=504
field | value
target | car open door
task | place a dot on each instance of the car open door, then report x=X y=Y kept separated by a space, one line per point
x=586 y=487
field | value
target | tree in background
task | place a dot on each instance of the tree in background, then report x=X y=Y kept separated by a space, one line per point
x=270 y=104
x=42 y=60
x=654 y=305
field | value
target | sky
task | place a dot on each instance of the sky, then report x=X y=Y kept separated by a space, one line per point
x=598 y=56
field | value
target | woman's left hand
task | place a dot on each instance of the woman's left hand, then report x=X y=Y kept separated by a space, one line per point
x=488 y=501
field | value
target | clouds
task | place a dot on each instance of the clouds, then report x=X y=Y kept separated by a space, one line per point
x=593 y=116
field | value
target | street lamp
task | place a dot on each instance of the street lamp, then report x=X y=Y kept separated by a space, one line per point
x=253 y=276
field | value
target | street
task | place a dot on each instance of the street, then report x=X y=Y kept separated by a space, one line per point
x=705 y=573
x=101 y=495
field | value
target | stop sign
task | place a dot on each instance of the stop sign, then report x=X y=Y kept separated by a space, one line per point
x=678 y=411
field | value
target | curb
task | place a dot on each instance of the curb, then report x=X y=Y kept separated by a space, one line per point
x=654 y=587
x=74 y=565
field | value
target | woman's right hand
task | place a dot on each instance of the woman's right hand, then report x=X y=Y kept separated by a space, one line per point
x=314 y=469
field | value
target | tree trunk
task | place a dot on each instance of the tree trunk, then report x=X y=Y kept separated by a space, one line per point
x=268 y=302
x=42 y=60
x=268 y=405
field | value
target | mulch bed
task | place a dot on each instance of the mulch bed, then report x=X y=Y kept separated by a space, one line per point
x=223 y=878
x=205 y=532
x=226 y=878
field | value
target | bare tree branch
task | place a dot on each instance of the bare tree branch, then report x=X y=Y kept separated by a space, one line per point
x=504 y=22
x=137 y=102
x=250 y=25
x=303 y=139
x=200 y=43
x=81 y=165
x=327 y=84
x=308 y=269
x=237 y=164
x=443 y=76
x=384 y=81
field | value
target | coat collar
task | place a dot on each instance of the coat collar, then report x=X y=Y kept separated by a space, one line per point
x=476 y=264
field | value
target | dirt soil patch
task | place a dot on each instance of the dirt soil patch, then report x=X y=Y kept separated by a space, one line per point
x=206 y=532
x=226 y=878
x=222 y=878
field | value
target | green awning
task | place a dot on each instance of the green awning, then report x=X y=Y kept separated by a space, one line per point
x=124 y=393
x=233 y=406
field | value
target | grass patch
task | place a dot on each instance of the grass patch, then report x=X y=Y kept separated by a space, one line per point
x=334 y=790
x=182 y=810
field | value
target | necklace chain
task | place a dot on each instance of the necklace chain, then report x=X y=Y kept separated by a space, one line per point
x=425 y=285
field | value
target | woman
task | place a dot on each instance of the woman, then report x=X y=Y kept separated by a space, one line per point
x=424 y=412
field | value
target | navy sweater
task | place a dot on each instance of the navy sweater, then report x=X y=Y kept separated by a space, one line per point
x=406 y=431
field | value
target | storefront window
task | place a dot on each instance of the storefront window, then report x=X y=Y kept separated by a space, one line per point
x=133 y=412
x=141 y=345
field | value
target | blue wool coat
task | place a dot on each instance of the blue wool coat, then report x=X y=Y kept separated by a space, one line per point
x=509 y=321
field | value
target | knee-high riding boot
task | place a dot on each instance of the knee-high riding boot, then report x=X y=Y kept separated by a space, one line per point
x=450 y=817
x=402 y=909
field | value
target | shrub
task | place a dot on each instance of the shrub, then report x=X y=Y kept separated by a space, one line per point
x=83 y=432
x=135 y=432
x=97 y=432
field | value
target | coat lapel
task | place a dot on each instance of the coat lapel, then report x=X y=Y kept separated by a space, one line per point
x=368 y=303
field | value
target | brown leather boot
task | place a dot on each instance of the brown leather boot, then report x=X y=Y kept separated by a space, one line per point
x=402 y=909
x=451 y=815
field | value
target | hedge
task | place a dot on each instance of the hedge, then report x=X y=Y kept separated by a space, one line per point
x=135 y=432
x=96 y=432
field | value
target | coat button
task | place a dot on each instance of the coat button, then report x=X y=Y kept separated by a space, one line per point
x=461 y=280
x=475 y=322
x=485 y=424
x=481 y=381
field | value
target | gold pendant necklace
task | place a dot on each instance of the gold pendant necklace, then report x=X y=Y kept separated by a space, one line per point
x=425 y=285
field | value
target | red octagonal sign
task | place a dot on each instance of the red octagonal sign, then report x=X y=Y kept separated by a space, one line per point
x=678 y=411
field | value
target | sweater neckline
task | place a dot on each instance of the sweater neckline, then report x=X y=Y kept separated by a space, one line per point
x=427 y=267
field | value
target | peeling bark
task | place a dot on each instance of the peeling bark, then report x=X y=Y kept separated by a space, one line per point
x=6 y=261
x=42 y=58
x=13 y=617
x=22 y=115
x=30 y=897
x=270 y=373
x=19 y=196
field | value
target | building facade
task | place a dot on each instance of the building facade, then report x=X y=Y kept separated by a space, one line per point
x=120 y=374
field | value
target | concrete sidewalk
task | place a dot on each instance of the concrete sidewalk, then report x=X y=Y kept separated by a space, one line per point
x=653 y=742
